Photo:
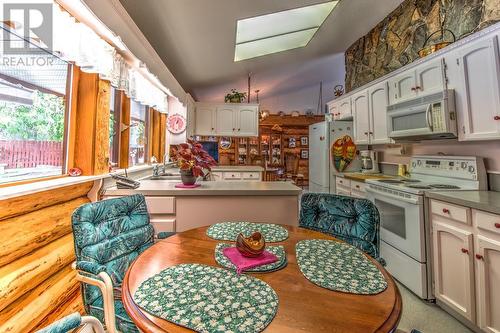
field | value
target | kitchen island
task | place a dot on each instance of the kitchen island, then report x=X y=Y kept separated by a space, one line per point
x=174 y=209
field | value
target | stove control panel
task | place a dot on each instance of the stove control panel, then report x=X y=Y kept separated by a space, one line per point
x=467 y=168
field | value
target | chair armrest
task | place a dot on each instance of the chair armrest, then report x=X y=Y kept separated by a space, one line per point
x=90 y=267
x=165 y=234
x=63 y=325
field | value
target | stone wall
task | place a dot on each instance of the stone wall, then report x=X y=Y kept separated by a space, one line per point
x=396 y=40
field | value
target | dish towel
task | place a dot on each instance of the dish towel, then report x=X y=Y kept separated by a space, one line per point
x=243 y=263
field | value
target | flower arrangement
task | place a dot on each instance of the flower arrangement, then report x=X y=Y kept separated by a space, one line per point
x=235 y=97
x=192 y=158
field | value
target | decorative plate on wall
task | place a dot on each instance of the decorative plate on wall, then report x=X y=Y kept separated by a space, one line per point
x=176 y=123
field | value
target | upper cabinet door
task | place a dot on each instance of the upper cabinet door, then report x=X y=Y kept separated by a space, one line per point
x=377 y=100
x=453 y=267
x=248 y=124
x=344 y=109
x=226 y=120
x=205 y=123
x=361 y=118
x=488 y=264
x=402 y=87
x=431 y=77
x=479 y=93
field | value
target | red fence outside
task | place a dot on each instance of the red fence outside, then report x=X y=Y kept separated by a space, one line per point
x=29 y=154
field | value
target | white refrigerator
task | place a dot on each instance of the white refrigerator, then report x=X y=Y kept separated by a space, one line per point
x=319 y=179
x=322 y=173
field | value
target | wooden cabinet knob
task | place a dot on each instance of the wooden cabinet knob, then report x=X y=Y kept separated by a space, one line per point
x=413 y=89
x=479 y=257
x=446 y=211
x=418 y=88
x=366 y=133
x=465 y=251
x=357 y=186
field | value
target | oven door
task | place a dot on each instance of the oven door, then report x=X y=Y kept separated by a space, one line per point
x=401 y=221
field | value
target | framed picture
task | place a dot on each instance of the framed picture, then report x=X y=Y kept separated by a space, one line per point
x=304 y=154
x=304 y=141
x=292 y=143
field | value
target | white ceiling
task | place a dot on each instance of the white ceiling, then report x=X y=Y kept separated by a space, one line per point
x=196 y=38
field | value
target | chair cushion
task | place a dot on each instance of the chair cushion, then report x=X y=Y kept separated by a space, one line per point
x=111 y=233
x=123 y=321
x=355 y=221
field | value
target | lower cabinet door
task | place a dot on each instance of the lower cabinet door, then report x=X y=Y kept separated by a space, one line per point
x=453 y=267
x=488 y=270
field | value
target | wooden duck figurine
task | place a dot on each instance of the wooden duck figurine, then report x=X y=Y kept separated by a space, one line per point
x=252 y=246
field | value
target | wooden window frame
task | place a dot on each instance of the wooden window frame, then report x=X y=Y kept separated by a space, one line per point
x=117 y=127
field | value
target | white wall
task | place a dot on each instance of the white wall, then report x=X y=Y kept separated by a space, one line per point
x=288 y=88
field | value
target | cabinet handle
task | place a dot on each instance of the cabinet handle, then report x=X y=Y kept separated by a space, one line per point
x=465 y=251
x=357 y=186
x=418 y=88
x=366 y=133
x=234 y=129
x=479 y=257
x=371 y=133
x=239 y=129
x=446 y=211
x=497 y=225
x=496 y=117
x=212 y=128
x=413 y=89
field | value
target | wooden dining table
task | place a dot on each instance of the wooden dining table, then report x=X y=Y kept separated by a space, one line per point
x=303 y=306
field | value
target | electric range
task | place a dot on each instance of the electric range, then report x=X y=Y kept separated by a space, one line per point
x=404 y=226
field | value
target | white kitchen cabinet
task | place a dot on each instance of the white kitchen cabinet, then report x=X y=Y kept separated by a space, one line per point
x=361 y=111
x=344 y=109
x=377 y=101
x=247 y=123
x=453 y=267
x=488 y=279
x=422 y=80
x=479 y=91
x=205 y=119
x=333 y=109
x=225 y=120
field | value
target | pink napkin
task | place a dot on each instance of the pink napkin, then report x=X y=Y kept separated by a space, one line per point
x=243 y=263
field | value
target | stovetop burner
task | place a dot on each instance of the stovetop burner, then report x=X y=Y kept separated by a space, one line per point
x=444 y=186
x=419 y=187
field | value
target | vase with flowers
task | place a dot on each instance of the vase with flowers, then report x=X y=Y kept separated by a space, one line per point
x=235 y=97
x=192 y=160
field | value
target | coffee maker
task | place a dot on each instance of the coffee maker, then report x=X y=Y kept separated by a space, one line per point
x=369 y=161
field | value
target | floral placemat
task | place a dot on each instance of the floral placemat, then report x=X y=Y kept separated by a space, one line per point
x=229 y=231
x=339 y=266
x=277 y=250
x=208 y=299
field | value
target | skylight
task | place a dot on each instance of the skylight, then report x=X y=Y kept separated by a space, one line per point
x=281 y=31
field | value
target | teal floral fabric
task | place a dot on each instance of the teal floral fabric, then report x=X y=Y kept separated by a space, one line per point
x=278 y=251
x=108 y=236
x=229 y=231
x=64 y=325
x=338 y=266
x=208 y=299
x=355 y=221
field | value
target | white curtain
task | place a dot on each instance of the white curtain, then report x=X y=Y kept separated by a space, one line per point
x=76 y=42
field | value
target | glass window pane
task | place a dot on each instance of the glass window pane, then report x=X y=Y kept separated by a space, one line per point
x=138 y=134
x=32 y=116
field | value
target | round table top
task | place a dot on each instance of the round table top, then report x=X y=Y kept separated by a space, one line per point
x=303 y=306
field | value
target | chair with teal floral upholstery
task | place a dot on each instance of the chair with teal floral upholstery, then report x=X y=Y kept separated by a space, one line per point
x=71 y=322
x=109 y=235
x=355 y=221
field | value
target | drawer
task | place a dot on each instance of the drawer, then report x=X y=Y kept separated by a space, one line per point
x=162 y=224
x=251 y=175
x=486 y=221
x=454 y=212
x=358 y=194
x=343 y=182
x=217 y=176
x=343 y=192
x=161 y=205
x=232 y=176
x=358 y=186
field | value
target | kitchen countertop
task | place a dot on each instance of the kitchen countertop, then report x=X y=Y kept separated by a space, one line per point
x=361 y=177
x=214 y=188
x=488 y=201
x=240 y=168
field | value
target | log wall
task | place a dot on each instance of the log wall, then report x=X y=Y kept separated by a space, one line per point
x=37 y=284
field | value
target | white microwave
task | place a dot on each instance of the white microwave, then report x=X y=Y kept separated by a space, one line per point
x=424 y=118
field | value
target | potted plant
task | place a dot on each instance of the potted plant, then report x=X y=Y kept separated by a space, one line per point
x=235 y=97
x=192 y=159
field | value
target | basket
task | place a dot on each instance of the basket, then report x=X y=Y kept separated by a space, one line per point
x=429 y=49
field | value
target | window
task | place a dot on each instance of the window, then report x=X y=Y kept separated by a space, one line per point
x=139 y=124
x=114 y=126
x=32 y=116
